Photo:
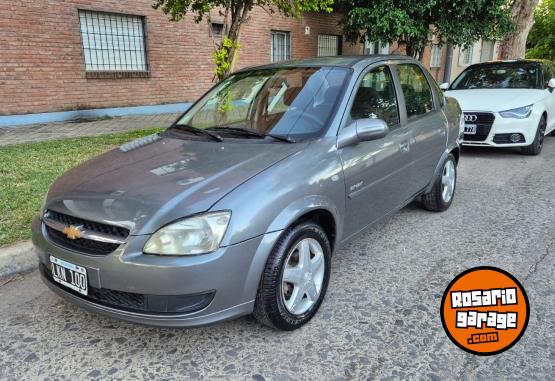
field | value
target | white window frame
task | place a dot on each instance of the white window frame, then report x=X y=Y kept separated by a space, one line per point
x=113 y=42
x=275 y=54
x=435 y=56
x=370 y=47
x=466 y=56
x=329 y=45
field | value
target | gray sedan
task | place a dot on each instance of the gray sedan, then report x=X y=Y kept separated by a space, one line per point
x=238 y=206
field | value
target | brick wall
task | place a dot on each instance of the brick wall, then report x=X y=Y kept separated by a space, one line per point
x=42 y=65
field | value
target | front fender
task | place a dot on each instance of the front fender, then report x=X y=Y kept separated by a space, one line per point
x=305 y=205
x=274 y=199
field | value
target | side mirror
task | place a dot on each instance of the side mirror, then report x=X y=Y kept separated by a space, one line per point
x=444 y=86
x=362 y=130
x=551 y=84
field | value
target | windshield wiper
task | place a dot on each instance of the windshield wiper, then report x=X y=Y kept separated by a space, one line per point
x=249 y=132
x=197 y=131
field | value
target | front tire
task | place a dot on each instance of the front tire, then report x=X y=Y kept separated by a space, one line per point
x=536 y=147
x=295 y=278
x=443 y=190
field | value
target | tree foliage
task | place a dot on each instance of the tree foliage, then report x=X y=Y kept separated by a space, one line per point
x=235 y=14
x=410 y=22
x=541 y=40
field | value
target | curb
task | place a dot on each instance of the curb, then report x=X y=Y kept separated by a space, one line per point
x=17 y=259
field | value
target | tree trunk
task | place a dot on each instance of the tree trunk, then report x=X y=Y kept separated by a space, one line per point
x=514 y=45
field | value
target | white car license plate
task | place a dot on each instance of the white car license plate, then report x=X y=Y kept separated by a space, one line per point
x=470 y=129
x=69 y=275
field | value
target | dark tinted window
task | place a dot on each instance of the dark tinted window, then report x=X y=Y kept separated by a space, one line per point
x=376 y=97
x=548 y=72
x=416 y=89
x=513 y=75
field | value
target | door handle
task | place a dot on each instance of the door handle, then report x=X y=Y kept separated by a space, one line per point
x=404 y=147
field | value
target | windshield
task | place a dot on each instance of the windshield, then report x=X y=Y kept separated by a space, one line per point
x=499 y=76
x=294 y=102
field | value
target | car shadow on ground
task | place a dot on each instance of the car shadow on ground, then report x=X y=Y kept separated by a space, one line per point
x=489 y=151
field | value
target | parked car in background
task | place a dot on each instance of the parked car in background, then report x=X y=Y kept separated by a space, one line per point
x=507 y=103
x=238 y=206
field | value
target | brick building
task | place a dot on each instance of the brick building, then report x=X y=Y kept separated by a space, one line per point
x=108 y=57
x=80 y=54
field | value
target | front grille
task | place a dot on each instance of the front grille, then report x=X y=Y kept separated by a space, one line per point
x=483 y=123
x=83 y=245
x=144 y=303
x=66 y=219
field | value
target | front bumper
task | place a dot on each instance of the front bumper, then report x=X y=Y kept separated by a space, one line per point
x=229 y=276
x=503 y=128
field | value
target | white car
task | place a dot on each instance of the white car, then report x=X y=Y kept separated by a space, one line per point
x=506 y=103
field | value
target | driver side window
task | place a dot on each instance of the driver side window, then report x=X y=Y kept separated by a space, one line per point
x=376 y=98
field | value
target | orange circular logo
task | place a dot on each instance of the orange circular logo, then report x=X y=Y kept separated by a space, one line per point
x=485 y=310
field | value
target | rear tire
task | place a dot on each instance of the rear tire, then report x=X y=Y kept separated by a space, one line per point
x=536 y=147
x=443 y=190
x=277 y=304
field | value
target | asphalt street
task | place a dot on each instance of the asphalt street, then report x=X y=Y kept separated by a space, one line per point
x=380 y=319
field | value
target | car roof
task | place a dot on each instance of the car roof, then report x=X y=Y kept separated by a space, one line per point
x=509 y=62
x=354 y=61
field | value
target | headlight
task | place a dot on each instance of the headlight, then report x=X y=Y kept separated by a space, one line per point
x=199 y=234
x=518 y=113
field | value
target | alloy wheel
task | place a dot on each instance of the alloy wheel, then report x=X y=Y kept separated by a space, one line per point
x=303 y=276
x=448 y=181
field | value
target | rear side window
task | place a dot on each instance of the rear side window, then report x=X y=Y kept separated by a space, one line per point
x=416 y=89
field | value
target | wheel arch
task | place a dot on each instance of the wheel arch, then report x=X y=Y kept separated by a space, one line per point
x=457 y=153
x=312 y=208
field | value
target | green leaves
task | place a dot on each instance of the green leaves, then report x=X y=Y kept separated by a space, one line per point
x=225 y=52
x=541 y=40
x=460 y=21
x=223 y=57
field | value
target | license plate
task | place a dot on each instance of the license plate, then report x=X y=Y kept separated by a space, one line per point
x=470 y=129
x=69 y=275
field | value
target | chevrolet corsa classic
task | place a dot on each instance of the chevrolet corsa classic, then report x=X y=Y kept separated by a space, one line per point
x=238 y=206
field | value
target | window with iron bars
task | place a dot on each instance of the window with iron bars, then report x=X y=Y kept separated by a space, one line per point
x=280 y=46
x=217 y=30
x=113 y=43
x=329 y=45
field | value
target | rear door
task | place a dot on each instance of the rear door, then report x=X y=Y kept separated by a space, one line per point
x=376 y=175
x=425 y=121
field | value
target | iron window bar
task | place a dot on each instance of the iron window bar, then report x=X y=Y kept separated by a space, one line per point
x=114 y=45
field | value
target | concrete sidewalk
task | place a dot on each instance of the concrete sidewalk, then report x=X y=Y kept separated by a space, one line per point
x=52 y=131
x=18 y=258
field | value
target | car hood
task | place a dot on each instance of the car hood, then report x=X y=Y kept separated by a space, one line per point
x=153 y=181
x=495 y=100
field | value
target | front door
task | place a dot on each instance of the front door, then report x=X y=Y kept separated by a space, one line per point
x=376 y=172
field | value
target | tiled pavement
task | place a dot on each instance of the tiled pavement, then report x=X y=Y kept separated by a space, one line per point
x=61 y=130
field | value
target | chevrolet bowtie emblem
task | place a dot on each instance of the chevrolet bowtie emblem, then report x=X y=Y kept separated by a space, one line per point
x=72 y=232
